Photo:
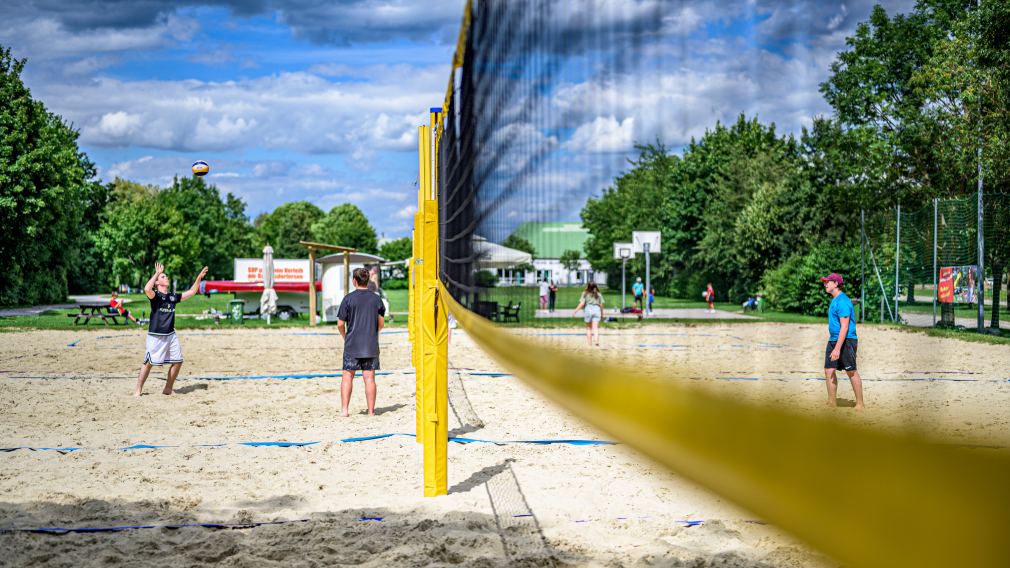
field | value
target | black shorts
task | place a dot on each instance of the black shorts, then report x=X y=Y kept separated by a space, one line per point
x=361 y=363
x=846 y=358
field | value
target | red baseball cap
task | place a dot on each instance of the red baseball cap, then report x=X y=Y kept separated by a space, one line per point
x=833 y=277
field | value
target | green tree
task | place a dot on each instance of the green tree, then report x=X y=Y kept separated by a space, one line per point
x=345 y=225
x=139 y=229
x=518 y=243
x=285 y=227
x=966 y=84
x=872 y=85
x=398 y=249
x=635 y=202
x=46 y=190
x=570 y=259
x=221 y=227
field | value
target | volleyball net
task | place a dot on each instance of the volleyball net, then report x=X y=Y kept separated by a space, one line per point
x=543 y=108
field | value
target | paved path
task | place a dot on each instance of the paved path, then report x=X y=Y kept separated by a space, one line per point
x=971 y=322
x=664 y=313
x=36 y=310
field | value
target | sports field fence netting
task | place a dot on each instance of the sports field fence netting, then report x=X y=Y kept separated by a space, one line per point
x=921 y=265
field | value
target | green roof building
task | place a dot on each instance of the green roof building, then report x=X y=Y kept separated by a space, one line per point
x=549 y=240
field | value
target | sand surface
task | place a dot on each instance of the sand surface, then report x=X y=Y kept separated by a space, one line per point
x=507 y=504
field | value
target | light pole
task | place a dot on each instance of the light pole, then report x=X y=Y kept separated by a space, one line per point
x=623 y=251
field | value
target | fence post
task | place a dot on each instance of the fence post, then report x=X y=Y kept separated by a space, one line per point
x=934 y=260
x=862 y=265
x=897 y=255
x=980 y=281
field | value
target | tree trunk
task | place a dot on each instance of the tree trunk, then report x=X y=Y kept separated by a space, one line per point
x=911 y=292
x=947 y=314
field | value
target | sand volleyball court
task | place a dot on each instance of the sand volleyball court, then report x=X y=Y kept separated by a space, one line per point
x=326 y=500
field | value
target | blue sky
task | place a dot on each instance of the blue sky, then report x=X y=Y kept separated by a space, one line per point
x=320 y=99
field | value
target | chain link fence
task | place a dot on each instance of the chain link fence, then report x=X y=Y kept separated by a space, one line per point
x=922 y=266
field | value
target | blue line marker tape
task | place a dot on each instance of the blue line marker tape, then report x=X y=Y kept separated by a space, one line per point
x=65 y=530
x=458 y=440
x=282 y=377
x=74 y=344
x=34 y=449
x=376 y=437
x=739 y=378
x=690 y=523
x=277 y=444
x=376 y=519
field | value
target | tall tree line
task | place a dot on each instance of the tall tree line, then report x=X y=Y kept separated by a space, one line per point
x=66 y=232
x=920 y=106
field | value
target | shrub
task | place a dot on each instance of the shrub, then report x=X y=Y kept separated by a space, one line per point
x=795 y=285
x=485 y=279
x=395 y=284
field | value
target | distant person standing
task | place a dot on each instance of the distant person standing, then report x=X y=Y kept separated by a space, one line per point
x=652 y=298
x=552 y=296
x=710 y=298
x=638 y=289
x=840 y=353
x=162 y=343
x=360 y=319
x=545 y=291
x=592 y=301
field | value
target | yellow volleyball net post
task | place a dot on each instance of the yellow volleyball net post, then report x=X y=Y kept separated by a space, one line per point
x=434 y=333
x=417 y=264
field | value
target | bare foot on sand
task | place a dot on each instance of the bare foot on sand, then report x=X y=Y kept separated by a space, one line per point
x=168 y=392
x=859 y=407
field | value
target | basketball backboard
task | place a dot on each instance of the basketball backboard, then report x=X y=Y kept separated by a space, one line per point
x=623 y=250
x=639 y=238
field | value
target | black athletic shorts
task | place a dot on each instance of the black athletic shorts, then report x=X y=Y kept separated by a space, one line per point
x=361 y=363
x=846 y=358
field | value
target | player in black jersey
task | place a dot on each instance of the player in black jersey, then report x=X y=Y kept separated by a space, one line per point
x=162 y=344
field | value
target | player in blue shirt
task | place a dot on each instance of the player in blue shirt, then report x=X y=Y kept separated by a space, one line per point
x=840 y=353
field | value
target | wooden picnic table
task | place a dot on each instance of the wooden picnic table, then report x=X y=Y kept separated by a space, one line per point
x=102 y=311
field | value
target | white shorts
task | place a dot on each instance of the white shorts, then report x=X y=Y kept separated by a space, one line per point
x=592 y=313
x=163 y=349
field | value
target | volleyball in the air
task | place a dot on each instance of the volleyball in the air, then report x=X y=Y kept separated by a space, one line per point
x=200 y=168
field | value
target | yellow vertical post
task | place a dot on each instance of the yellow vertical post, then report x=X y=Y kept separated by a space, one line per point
x=434 y=358
x=423 y=184
x=312 y=286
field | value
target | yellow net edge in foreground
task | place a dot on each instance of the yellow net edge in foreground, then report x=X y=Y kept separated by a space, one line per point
x=865 y=497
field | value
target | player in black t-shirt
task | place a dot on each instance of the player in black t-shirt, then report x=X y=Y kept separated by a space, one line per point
x=162 y=344
x=359 y=320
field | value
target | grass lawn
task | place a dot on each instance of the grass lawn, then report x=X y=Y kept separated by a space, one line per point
x=195 y=306
x=567 y=300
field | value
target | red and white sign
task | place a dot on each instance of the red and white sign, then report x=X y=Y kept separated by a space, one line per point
x=285 y=270
x=945 y=289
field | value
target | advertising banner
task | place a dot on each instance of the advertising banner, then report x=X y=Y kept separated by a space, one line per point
x=285 y=270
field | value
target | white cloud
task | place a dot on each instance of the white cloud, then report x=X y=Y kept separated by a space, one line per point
x=604 y=134
x=406 y=213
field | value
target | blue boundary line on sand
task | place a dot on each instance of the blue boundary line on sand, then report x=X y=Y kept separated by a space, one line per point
x=59 y=531
x=457 y=440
